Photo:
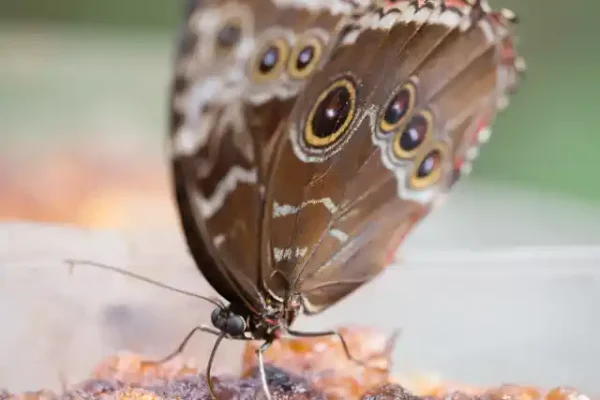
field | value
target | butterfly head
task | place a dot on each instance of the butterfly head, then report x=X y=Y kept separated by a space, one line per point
x=228 y=322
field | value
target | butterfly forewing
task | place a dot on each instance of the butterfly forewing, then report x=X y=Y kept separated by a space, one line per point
x=373 y=140
x=240 y=66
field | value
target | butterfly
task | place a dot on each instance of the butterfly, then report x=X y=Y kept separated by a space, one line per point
x=308 y=137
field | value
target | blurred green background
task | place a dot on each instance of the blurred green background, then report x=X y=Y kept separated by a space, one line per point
x=118 y=52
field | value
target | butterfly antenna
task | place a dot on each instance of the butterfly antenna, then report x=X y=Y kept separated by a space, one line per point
x=73 y=263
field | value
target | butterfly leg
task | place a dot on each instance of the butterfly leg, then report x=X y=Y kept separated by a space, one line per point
x=211 y=359
x=344 y=344
x=213 y=352
x=261 y=368
x=181 y=347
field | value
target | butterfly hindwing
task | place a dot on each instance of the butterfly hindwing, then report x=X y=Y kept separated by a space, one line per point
x=374 y=139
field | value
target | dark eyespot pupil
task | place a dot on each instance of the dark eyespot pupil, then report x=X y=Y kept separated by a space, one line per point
x=414 y=134
x=229 y=35
x=331 y=114
x=305 y=57
x=429 y=164
x=269 y=59
x=397 y=107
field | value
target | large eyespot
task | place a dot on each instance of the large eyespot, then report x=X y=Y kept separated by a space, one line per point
x=398 y=107
x=305 y=57
x=414 y=134
x=269 y=60
x=427 y=168
x=331 y=114
x=230 y=34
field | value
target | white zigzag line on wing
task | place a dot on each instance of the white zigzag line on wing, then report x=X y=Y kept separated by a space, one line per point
x=410 y=13
x=286 y=209
x=335 y=7
x=218 y=240
x=288 y=253
x=209 y=206
x=413 y=13
x=194 y=134
x=339 y=235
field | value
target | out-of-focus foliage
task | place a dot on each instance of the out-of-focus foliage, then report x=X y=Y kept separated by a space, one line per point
x=548 y=139
x=130 y=14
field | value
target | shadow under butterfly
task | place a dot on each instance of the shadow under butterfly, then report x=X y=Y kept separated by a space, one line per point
x=308 y=138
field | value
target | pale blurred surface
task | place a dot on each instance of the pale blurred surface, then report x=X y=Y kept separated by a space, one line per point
x=83 y=93
x=474 y=302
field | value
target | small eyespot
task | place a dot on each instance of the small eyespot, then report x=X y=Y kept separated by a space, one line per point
x=427 y=168
x=397 y=108
x=331 y=114
x=415 y=133
x=229 y=34
x=269 y=60
x=305 y=57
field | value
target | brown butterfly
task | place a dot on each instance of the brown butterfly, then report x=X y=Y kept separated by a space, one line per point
x=309 y=136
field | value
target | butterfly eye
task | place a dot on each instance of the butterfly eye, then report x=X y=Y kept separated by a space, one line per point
x=427 y=169
x=269 y=60
x=230 y=34
x=414 y=134
x=305 y=57
x=332 y=114
x=399 y=106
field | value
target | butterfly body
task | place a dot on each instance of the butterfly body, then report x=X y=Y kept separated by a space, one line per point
x=308 y=137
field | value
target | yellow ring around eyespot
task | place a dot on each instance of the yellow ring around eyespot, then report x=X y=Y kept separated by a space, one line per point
x=422 y=183
x=283 y=51
x=399 y=151
x=309 y=136
x=386 y=127
x=295 y=53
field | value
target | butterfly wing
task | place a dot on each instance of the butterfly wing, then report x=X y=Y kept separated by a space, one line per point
x=239 y=68
x=374 y=139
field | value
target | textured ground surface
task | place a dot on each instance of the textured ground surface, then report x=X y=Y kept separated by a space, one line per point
x=295 y=369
